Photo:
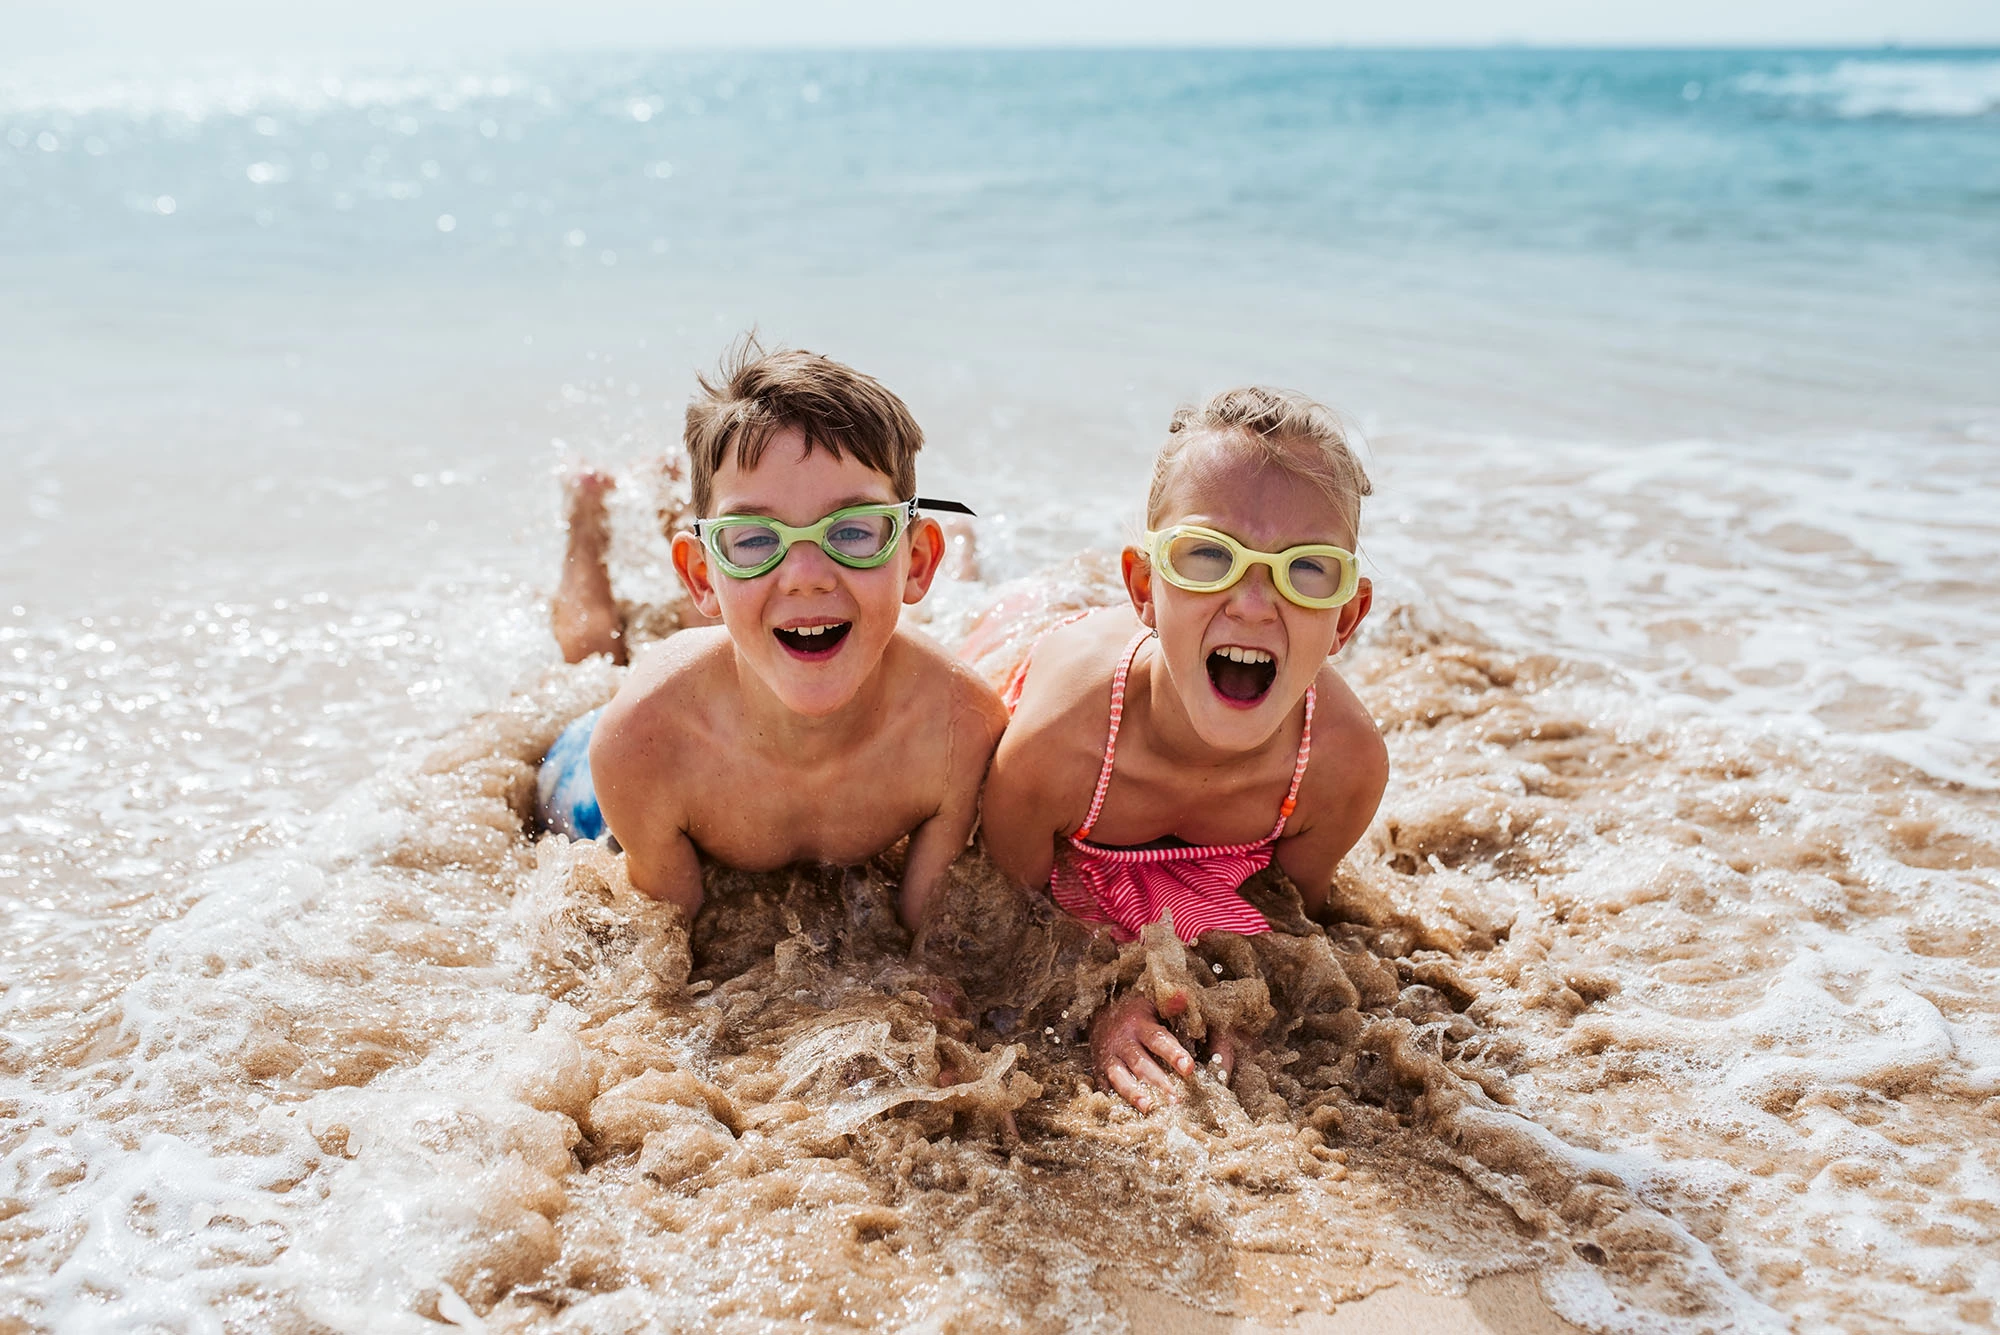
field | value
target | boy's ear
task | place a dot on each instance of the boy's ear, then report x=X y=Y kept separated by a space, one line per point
x=1352 y=613
x=1138 y=573
x=926 y=539
x=697 y=576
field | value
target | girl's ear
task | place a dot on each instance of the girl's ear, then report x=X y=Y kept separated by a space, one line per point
x=1352 y=613
x=1138 y=573
x=697 y=576
x=926 y=539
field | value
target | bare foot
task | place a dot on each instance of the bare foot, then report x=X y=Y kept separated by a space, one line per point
x=1125 y=1038
x=583 y=614
x=961 y=549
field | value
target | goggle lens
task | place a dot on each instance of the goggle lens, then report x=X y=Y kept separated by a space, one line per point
x=860 y=537
x=747 y=545
x=1200 y=560
x=1316 y=576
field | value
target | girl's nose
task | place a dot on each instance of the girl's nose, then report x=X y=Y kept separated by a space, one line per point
x=1255 y=596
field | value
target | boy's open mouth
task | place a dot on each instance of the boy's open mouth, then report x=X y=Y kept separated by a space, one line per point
x=813 y=642
x=1242 y=676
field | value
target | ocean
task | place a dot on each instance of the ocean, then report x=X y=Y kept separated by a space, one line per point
x=1679 y=376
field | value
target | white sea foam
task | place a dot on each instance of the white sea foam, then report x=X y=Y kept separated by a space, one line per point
x=1845 y=597
x=1888 y=86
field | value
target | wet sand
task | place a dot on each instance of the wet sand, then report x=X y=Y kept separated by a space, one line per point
x=1497 y=1305
x=1599 y=1028
x=1624 y=1016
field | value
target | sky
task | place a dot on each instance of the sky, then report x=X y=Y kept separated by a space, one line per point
x=29 y=27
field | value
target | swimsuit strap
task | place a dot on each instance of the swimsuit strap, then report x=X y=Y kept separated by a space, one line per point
x=1298 y=771
x=1111 y=737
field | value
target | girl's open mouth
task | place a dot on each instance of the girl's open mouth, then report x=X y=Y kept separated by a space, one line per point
x=1242 y=676
x=813 y=643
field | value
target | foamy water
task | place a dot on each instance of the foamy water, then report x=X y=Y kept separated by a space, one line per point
x=1666 y=975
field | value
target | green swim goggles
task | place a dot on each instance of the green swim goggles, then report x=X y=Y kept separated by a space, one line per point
x=1318 y=575
x=860 y=537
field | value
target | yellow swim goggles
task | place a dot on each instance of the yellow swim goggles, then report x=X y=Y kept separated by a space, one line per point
x=1202 y=560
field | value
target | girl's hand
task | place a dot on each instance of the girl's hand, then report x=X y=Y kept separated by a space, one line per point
x=1125 y=1037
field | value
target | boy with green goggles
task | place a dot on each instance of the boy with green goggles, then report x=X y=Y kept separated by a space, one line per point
x=860 y=537
x=809 y=726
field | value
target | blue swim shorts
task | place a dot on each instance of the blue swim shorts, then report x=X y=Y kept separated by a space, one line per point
x=565 y=798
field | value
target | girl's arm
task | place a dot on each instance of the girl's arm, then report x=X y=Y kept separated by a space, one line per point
x=1019 y=813
x=1338 y=802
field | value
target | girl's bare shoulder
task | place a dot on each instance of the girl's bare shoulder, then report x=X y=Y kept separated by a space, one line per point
x=1073 y=665
x=1349 y=760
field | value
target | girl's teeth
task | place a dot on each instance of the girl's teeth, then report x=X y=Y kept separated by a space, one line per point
x=1236 y=655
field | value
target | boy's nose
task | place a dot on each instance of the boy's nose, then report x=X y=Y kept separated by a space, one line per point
x=806 y=569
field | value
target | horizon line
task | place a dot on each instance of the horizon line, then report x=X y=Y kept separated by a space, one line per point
x=1978 y=47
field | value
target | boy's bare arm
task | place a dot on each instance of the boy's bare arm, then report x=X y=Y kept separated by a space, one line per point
x=1340 y=795
x=977 y=721
x=664 y=868
x=631 y=769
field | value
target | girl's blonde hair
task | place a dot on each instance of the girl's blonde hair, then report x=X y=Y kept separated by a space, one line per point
x=1300 y=435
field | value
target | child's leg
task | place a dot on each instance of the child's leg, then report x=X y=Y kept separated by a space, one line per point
x=998 y=642
x=583 y=614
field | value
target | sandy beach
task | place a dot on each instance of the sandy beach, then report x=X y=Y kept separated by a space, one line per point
x=1500 y=1305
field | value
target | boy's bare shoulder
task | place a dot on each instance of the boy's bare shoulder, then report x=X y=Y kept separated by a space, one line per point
x=929 y=671
x=1349 y=760
x=671 y=683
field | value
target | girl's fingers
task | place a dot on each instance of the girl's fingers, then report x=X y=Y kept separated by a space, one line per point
x=1224 y=1051
x=1127 y=1088
x=1168 y=1049
x=1149 y=1070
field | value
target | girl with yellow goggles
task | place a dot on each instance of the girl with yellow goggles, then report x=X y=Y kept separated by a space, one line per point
x=1204 y=560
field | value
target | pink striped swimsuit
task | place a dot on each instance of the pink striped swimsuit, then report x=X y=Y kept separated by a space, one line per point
x=1131 y=887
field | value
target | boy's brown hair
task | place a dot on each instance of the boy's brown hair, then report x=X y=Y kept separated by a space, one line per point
x=756 y=394
x=1298 y=434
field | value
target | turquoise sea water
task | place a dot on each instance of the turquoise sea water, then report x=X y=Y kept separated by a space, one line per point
x=254 y=300
x=1874 y=169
